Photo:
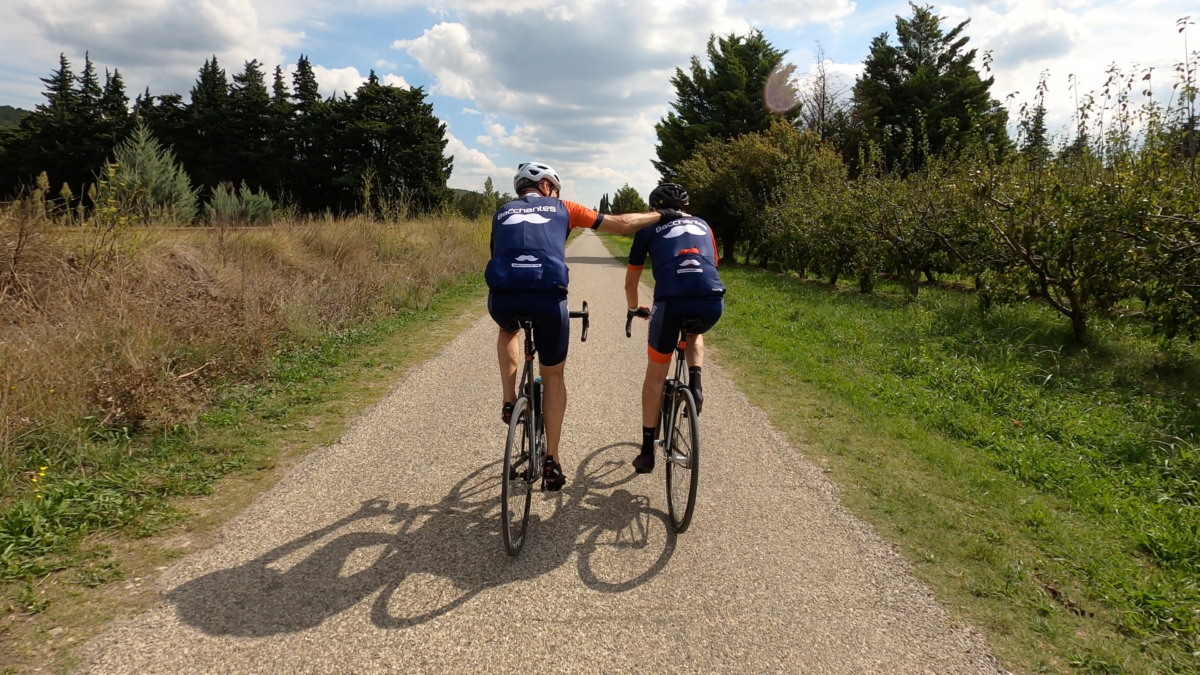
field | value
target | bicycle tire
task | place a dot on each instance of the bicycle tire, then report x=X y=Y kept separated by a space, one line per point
x=516 y=456
x=683 y=461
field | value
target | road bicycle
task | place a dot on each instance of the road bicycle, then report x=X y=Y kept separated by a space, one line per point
x=526 y=447
x=679 y=424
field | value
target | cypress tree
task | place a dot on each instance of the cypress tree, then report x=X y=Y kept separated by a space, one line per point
x=250 y=126
x=207 y=142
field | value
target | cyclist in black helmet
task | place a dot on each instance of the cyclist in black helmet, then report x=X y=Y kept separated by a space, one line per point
x=686 y=286
x=527 y=276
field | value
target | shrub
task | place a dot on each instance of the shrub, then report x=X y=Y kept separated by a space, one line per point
x=144 y=181
x=230 y=205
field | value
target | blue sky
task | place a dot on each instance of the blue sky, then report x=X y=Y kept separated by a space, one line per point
x=576 y=83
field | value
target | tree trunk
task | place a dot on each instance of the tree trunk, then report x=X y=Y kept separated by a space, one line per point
x=1078 y=316
x=762 y=262
x=833 y=276
x=929 y=276
x=914 y=283
x=728 y=249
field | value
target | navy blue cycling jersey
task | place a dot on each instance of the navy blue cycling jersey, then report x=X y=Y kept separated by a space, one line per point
x=529 y=239
x=684 y=254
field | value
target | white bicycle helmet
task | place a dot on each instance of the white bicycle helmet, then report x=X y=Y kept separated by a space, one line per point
x=535 y=172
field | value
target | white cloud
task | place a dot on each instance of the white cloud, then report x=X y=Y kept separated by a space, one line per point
x=471 y=111
x=1072 y=37
x=154 y=42
x=471 y=167
x=394 y=80
x=337 y=81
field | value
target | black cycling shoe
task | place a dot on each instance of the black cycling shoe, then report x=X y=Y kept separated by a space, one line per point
x=552 y=475
x=644 y=462
x=506 y=413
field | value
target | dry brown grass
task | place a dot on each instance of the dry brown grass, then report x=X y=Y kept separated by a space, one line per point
x=137 y=326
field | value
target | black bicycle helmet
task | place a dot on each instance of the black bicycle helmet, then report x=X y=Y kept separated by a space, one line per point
x=668 y=196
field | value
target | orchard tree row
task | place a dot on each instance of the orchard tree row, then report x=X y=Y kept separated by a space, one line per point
x=911 y=173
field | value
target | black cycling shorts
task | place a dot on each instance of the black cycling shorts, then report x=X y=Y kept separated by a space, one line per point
x=667 y=317
x=552 y=327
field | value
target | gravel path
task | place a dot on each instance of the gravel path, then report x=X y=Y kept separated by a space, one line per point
x=382 y=553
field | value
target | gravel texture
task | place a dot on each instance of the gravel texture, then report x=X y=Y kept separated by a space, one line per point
x=382 y=553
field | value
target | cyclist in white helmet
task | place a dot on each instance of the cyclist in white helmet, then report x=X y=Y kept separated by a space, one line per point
x=527 y=276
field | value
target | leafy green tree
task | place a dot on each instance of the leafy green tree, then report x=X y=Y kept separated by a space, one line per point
x=924 y=95
x=627 y=200
x=735 y=184
x=722 y=100
x=144 y=179
x=393 y=133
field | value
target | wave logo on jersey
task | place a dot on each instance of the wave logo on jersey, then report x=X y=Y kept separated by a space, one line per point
x=527 y=258
x=692 y=263
x=691 y=227
x=518 y=218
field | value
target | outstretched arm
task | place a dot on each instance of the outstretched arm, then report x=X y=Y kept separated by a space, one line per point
x=628 y=223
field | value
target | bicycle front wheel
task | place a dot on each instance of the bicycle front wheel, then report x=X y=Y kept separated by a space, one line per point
x=517 y=478
x=683 y=461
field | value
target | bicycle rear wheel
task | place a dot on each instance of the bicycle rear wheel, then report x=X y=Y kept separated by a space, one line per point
x=517 y=478
x=683 y=461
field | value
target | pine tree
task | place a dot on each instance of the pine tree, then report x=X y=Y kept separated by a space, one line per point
x=250 y=126
x=723 y=100
x=304 y=86
x=90 y=93
x=1035 y=138
x=114 y=103
x=62 y=99
x=206 y=145
x=924 y=93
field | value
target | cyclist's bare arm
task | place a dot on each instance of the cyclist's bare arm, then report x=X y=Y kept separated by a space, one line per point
x=628 y=223
x=633 y=275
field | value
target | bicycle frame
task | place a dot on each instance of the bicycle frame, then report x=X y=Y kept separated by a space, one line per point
x=672 y=385
x=526 y=389
x=530 y=388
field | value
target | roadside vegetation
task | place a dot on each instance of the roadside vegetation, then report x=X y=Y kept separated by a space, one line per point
x=125 y=342
x=1045 y=489
x=988 y=340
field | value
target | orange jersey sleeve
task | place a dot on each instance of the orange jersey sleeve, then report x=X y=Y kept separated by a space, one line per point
x=582 y=216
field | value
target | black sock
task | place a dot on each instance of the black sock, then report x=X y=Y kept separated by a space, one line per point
x=694 y=377
x=648 y=440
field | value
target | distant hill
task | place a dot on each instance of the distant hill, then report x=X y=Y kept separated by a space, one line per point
x=10 y=116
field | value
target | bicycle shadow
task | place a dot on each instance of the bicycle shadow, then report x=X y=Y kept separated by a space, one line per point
x=426 y=561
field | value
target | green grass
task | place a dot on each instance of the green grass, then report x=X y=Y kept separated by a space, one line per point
x=88 y=481
x=1046 y=491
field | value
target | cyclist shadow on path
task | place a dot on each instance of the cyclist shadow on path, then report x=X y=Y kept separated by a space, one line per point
x=399 y=547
